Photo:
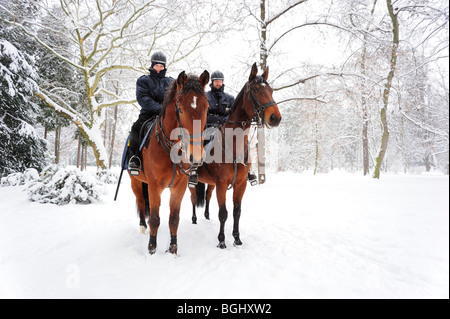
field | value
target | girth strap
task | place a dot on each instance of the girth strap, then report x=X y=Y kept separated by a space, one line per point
x=235 y=174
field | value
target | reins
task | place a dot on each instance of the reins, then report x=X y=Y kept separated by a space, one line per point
x=167 y=144
x=257 y=119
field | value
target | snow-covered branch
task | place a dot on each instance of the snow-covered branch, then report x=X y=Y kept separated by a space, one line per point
x=38 y=40
x=304 y=98
x=425 y=126
x=283 y=11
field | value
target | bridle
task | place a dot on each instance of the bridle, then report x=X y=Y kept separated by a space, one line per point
x=167 y=144
x=258 y=119
x=258 y=108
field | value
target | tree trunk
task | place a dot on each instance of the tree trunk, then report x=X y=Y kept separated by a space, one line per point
x=57 y=143
x=365 y=113
x=82 y=158
x=316 y=162
x=113 y=136
x=364 y=91
x=263 y=47
x=85 y=157
x=79 y=151
x=387 y=90
x=94 y=141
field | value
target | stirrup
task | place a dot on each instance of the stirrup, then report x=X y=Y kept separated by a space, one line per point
x=252 y=179
x=134 y=170
x=193 y=177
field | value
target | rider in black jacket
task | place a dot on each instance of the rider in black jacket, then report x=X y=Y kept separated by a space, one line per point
x=150 y=91
x=220 y=103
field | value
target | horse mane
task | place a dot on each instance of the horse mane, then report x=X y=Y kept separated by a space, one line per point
x=238 y=100
x=192 y=85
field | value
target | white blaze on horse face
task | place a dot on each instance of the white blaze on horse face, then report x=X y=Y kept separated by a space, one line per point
x=194 y=103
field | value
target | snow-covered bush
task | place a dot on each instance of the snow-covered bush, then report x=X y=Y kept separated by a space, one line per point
x=107 y=177
x=59 y=185
x=17 y=179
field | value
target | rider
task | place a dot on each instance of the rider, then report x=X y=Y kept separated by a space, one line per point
x=220 y=105
x=150 y=91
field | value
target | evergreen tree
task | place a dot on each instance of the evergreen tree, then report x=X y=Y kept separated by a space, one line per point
x=20 y=145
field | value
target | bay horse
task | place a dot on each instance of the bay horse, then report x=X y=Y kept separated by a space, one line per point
x=253 y=105
x=185 y=103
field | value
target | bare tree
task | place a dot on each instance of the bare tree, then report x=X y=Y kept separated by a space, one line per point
x=387 y=89
x=107 y=36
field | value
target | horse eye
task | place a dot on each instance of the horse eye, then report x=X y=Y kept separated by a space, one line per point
x=255 y=90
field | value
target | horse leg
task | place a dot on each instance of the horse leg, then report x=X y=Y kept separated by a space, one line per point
x=238 y=194
x=154 y=220
x=138 y=191
x=142 y=222
x=176 y=196
x=209 y=192
x=194 y=204
x=221 y=193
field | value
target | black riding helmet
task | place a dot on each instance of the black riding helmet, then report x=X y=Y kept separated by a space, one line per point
x=159 y=58
x=217 y=75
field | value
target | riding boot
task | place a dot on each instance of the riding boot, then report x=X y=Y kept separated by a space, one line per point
x=252 y=179
x=134 y=163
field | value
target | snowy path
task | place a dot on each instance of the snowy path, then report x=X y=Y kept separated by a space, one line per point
x=329 y=236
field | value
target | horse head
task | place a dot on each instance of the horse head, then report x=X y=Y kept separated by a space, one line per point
x=262 y=105
x=191 y=108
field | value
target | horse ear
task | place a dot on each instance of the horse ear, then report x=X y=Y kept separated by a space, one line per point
x=253 y=72
x=182 y=79
x=204 y=78
x=265 y=75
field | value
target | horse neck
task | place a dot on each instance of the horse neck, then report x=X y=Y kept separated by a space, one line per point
x=169 y=121
x=239 y=115
x=238 y=119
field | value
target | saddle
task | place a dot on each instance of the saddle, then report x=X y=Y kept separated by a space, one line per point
x=144 y=139
x=146 y=131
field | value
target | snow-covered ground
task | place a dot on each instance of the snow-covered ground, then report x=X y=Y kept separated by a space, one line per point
x=327 y=236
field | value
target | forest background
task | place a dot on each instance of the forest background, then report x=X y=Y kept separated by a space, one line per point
x=362 y=84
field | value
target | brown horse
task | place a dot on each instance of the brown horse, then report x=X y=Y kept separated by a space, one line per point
x=185 y=108
x=254 y=104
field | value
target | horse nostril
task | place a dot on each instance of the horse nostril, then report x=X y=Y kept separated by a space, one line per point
x=274 y=119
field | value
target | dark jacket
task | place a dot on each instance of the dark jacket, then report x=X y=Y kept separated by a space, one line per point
x=150 y=91
x=220 y=104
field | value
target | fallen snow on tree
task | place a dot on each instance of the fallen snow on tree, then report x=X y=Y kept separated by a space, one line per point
x=59 y=185
x=17 y=179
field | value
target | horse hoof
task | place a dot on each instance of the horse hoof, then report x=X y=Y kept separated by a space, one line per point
x=151 y=249
x=173 y=249
x=237 y=242
x=194 y=221
x=142 y=230
x=207 y=216
x=222 y=245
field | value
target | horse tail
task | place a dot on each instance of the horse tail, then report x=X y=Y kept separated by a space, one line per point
x=200 y=191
